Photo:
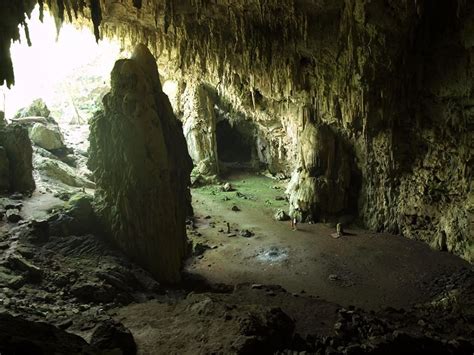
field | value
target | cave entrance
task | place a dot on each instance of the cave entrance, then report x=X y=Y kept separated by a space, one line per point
x=232 y=145
x=60 y=81
x=68 y=70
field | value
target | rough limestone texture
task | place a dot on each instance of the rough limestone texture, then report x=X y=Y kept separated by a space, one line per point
x=17 y=149
x=199 y=126
x=393 y=80
x=48 y=137
x=320 y=185
x=141 y=167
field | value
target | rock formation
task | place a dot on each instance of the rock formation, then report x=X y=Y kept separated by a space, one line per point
x=141 y=167
x=321 y=183
x=391 y=79
x=199 y=125
x=16 y=167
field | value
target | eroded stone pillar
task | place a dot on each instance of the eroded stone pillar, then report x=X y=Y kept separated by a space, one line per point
x=321 y=182
x=141 y=166
x=199 y=124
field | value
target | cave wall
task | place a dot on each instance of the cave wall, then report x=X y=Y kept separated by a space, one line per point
x=391 y=79
x=141 y=167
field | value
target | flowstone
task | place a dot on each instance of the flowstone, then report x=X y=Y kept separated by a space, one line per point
x=141 y=167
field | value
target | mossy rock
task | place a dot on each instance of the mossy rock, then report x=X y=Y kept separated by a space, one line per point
x=80 y=206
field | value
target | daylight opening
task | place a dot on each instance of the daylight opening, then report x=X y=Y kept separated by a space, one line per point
x=69 y=72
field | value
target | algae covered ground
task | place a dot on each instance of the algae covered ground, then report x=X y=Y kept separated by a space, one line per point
x=365 y=269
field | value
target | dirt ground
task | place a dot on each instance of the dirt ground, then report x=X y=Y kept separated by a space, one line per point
x=364 y=269
x=233 y=298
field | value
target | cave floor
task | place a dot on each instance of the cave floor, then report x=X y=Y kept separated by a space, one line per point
x=230 y=301
x=364 y=269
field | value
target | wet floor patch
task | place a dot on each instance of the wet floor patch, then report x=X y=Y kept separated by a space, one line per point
x=272 y=255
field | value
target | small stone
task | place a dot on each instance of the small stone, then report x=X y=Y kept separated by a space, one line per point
x=333 y=277
x=13 y=216
x=200 y=248
x=235 y=208
x=246 y=233
x=281 y=215
x=14 y=206
x=227 y=187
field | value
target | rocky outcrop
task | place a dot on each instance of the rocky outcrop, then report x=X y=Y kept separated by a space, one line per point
x=16 y=167
x=141 y=167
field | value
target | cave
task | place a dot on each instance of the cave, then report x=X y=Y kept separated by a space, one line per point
x=236 y=177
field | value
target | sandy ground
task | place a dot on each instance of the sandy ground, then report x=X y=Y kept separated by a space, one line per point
x=364 y=269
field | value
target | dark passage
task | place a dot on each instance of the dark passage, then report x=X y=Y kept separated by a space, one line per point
x=232 y=145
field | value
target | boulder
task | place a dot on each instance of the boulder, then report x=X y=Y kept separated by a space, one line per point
x=37 y=108
x=79 y=217
x=48 y=137
x=93 y=292
x=80 y=207
x=141 y=166
x=281 y=215
x=112 y=337
x=60 y=171
x=13 y=215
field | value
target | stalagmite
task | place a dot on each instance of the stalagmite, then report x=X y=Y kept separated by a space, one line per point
x=141 y=167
